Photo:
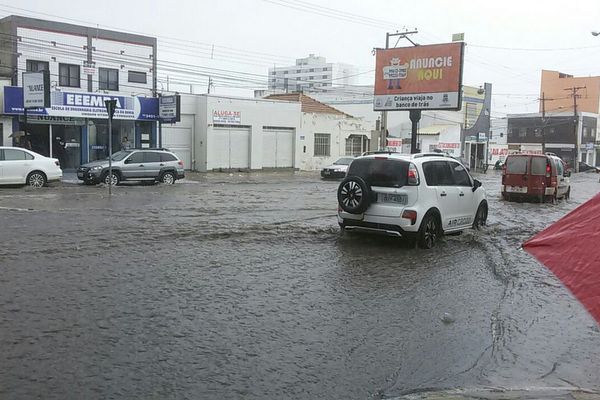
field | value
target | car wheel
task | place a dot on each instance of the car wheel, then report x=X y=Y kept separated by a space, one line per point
x=111 y=180
x=168 y=178
x=480 y=216
x=36 y=179
x=568 y=194
x=354 y=195
x=429 y=231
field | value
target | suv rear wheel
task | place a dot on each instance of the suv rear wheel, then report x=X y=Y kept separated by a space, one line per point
x=168 y=178
x=480 y=216
x=429 y=231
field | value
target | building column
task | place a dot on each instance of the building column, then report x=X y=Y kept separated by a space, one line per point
x=85 y=148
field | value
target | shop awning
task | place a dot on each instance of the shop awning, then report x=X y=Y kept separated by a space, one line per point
x=570 y=249
x=434 y=129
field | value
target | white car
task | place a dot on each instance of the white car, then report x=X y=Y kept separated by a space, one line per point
x=338 y=169
x=419 y=196
x=24 y=167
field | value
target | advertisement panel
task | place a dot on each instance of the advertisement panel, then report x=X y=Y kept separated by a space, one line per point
x=84 y=105
x=227 y=117
x=419 y=78
x=169 y=109
x=36 y=89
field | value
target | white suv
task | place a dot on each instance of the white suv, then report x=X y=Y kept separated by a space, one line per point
x=419 y=196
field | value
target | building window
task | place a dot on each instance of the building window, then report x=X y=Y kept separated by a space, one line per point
x=298 y=71
x=137 y=77
x=285 y=72
x=325 y=69
x=108 y=79
x=310 y=78
x=36 y=66
x=68 y=75
x=356 y=145
x=322 y=141
x=273 y=73
x=311 y=70
x=324 y=76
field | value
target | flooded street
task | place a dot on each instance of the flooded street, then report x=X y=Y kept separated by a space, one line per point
x=241 y=286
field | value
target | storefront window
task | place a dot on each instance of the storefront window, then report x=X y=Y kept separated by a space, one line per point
x=98 y=137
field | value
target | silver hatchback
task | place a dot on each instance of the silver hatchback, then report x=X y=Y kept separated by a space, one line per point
x=134 y=165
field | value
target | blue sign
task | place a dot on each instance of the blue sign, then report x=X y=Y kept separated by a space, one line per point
x=84 y=105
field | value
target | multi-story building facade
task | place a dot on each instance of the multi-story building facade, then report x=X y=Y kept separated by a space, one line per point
x=310 y=74
x=561 y=133
x=86 y=66
x=557 y=89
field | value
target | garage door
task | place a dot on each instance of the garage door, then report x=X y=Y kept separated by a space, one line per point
x=278 y=148
x=230 y=148
x=178 y=139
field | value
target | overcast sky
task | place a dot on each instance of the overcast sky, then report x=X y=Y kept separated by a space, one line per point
x=508 y=42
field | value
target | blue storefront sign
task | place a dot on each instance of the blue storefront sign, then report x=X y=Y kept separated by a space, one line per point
x=84 y=105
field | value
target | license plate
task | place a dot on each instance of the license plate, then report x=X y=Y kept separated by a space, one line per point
x=516 y=189
x=80 y=174
x=392 y=198
x=327 y=172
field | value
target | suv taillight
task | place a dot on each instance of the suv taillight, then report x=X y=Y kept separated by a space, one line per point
x=180 y=163
x=413 y=175
x=548 y=169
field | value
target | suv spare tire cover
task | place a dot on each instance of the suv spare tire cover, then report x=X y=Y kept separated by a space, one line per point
x=354 y=195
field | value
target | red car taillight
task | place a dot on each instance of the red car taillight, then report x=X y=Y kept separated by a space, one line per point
x=548 y=170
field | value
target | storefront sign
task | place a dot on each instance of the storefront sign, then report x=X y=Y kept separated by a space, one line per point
x=84 y=105
x=447 y=146
x=482 y=136
x=169 y=109
x=89 y=68
x=419 y=78
x=51 y=120
x=36 y=89
x=227 y=117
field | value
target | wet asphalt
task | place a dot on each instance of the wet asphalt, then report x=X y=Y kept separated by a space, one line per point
x=242 y=287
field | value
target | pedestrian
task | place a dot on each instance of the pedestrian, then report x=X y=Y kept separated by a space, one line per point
x=125 y=144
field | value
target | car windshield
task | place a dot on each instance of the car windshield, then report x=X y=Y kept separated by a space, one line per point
x=119 y=155
x=380 y=172
x=343 y=161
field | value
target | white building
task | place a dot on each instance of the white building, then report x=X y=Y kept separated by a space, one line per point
x=309 y=74
x=85 y=65
x=227 y=133
x=326 y=133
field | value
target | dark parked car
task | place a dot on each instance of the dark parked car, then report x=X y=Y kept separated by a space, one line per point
x=585 y=167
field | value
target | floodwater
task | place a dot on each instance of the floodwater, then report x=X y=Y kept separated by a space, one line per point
x=241 y=286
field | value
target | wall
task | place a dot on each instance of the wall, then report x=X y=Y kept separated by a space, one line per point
x=124 y=57
x=254 y=113
x=338 y=126
x=554 y=83
x=37 y=45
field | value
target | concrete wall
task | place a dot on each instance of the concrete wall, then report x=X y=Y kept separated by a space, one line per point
x=255 y=114
x=338 y=126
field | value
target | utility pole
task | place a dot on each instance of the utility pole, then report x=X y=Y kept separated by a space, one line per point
x=415 y=115
x=543 y=123
x=209 y=83
x=574 y=94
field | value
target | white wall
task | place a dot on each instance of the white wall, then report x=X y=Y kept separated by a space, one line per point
x=255 y=113
x=107 y=54
x=61 y=48
x=337 y=126
x=37 y=45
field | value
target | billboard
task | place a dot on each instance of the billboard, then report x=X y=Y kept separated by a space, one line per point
x=169 y=109
x=419 y=78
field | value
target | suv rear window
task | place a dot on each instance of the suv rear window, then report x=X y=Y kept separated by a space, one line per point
x=380 y=172
x=167 y=157
x=517 y=164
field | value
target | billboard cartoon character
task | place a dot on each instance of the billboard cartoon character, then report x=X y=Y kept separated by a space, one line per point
x=394 y=72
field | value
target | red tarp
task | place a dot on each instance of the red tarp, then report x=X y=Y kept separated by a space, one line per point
x=570 y=248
